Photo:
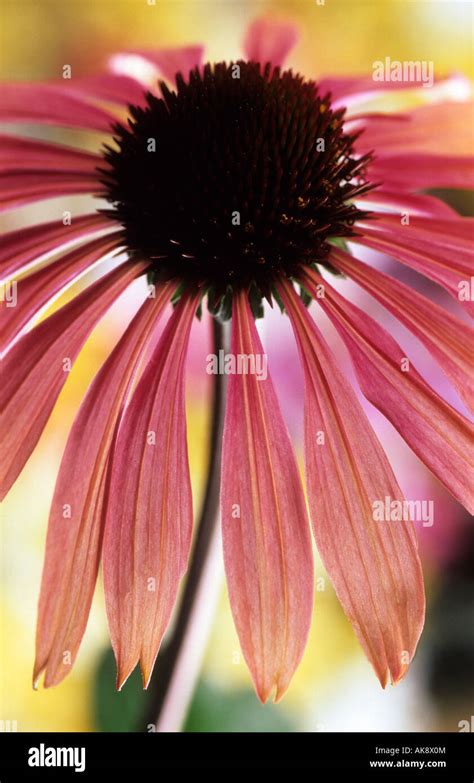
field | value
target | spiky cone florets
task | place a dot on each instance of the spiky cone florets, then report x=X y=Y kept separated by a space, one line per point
x=238 y=178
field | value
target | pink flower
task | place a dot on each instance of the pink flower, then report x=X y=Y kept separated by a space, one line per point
x=233 y=185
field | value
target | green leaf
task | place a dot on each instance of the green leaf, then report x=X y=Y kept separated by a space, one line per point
x=113 y=710
x=217 y=710
x=213 y=709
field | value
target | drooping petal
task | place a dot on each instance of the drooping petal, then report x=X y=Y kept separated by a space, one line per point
x=270 y=40
x=440 y=436
x=18 y=188
x=452 y=269
x=455 y=232
x=36 y=368
x=25 y=245
x=374 y=566
x=39 y=288
x=74 y=540
x=351 y=90
x=425 y=129
x=37 y=102
x=116 y=88
x=149 y=512
x=447 y=338
x=267 y=547
x=411 y=203
x=20 y=154
x=419 y=171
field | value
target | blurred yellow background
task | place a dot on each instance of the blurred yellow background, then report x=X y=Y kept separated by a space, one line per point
x=338 y=36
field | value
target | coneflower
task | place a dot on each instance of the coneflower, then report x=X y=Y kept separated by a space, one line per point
x=230 y=184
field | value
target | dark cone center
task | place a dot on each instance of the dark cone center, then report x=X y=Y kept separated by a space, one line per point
x=239 y=177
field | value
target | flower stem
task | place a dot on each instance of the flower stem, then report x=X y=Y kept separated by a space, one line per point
x=179 y=662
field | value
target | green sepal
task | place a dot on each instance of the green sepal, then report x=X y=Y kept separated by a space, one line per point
x=255 y=300
x=278 y=300
x=178 y=294
x=305 y=296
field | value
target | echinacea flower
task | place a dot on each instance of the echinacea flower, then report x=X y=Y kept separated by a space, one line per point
x=227 y=184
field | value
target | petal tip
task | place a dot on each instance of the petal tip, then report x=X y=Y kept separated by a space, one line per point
x=396 y=677
x=276 y=687
x=382 y=675
x=146 y=668
x=263 y=694
x=280 y=692
x=36 y=678
x=123 y=673
x=270 y=39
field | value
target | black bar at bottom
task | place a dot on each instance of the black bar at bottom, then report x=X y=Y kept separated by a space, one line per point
x=434 y=756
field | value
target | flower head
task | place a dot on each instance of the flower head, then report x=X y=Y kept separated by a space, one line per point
x=251 y=174
x=230 y=184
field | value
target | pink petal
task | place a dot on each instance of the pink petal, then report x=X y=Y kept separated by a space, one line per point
x=36 y=368
x=39 y=288
x=26 y=245
x=17 y=154
x=73 y=545
x=171 y=61
x=349 y=90
x=411 y=203
x=37 y=102
x=425 y=129
x=447 y=338
x=436 y=432
x=417 y=171
x=450 y=269
x=149 y=513
x=23 y=187
x=455 y=232
x=270 y=40
x=267 y=546
x=374 y=566
x=116 y=88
